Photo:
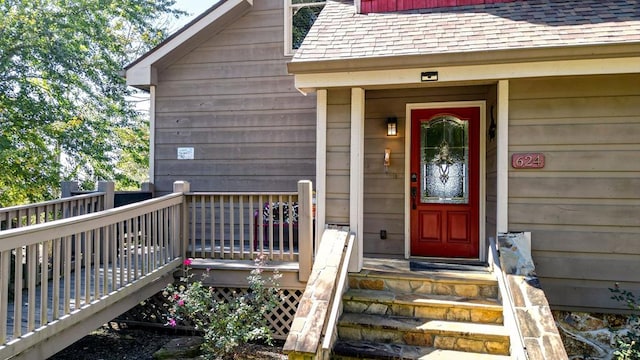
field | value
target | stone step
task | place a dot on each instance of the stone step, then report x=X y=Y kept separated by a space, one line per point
x=469 y=284
x=445 y=335
x=439 y=307
x=350 y=350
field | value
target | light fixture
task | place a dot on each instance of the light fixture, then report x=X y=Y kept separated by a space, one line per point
x=392 y=126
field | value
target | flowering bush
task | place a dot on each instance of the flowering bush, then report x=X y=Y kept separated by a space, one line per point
x=225 y=324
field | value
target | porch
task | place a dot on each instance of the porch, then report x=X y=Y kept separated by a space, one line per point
x=65 y=277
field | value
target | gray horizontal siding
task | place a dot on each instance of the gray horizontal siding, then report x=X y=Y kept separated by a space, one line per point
x=232 y=100
x=583 y=207
x=338 y=156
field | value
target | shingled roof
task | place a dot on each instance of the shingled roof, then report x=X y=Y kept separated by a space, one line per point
x=340 y=34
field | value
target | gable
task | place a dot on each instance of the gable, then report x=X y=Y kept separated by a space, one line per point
x=143 y=72
x=378 y=6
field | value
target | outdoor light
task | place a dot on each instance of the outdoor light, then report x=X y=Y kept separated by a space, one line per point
x=392 y=126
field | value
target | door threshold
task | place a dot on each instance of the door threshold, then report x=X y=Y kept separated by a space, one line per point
x=466 y=266
x=441 y=260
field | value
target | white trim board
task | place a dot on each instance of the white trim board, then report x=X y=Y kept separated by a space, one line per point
x=502 y=161
x=152 y=134
x=321 y=164
x=372 y=78
x=356 y=178
x=483 y=171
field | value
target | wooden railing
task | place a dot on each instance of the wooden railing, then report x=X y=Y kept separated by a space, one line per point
x=26 y=215
x=85 y=262
x=242 y=225
x=54 y=275
x=315 y=331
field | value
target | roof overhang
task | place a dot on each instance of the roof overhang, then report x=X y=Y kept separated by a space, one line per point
x=143 y=72
x=375 y=72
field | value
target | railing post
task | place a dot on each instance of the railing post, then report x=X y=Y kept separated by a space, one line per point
x=305 y=227
x=67 y=187
x=180 y=247
x=109 y=190
x=148 y=187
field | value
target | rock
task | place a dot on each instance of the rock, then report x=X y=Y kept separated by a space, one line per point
x=590 y=335
x=180 y=348
x=515 y=253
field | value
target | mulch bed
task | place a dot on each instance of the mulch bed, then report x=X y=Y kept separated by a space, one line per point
x=116 y=341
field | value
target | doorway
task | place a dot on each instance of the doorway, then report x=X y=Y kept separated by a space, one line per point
x=445 y=180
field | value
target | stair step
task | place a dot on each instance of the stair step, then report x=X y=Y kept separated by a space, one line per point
x=348 y=350
x=442 y=307
x=447 y=335
x=478 y=284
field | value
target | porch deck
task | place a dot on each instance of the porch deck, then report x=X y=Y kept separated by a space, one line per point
x=65 y=277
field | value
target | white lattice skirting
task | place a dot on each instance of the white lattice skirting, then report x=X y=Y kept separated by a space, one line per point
x=281 y=318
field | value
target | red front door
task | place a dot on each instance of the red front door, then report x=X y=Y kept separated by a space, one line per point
x=445 y=182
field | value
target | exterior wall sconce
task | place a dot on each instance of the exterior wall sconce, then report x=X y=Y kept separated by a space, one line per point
x=392 y=126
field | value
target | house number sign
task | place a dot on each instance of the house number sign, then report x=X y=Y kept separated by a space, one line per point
x=527 y=161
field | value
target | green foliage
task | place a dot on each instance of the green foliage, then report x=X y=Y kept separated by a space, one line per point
x=302 y=20
x=225 y=324
x=64 y=109
x=628 y=345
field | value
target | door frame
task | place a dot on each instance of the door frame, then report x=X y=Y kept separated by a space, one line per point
x=482 y=175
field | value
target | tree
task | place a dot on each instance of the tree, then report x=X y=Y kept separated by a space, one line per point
x=64 y=109
x=303 y=19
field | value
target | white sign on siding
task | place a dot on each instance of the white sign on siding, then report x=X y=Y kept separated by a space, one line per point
x=185 y=153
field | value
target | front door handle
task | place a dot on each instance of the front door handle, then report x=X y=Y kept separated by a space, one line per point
x=414 y=195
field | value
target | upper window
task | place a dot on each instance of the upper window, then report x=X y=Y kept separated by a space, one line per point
x=299 y=16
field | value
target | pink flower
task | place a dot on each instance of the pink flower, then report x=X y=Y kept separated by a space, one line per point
x=181 y=302
x=187 y=262
x=172 y=322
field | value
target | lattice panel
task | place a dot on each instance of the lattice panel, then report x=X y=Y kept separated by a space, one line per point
x=281 y=317
x=154 y=310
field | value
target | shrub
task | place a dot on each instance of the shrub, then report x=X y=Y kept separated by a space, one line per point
x=225 y=324
x=628 y=344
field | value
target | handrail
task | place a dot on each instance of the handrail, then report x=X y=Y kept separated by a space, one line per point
x=518 y=348
x=80 y=263
x=240 y=225
x=249 y=193
x=51 y=202
x=52 y=210
x=324 y=288
x=34 y=234
x=330 y=330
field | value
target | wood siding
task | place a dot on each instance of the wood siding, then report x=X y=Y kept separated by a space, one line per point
x=384 y=192
x=583 y=207
x=376 y=6
x=338 y=155
x=232 y=100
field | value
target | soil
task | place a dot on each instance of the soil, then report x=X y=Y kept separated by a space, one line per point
x=115 y=341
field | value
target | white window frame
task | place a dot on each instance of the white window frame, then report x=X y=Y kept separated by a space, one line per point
x=288 y=23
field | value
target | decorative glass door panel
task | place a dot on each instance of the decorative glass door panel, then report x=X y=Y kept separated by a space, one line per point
x=444 y=161
x=445 y=182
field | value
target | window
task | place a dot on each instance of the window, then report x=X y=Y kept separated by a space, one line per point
x=299 y=16
x=444 y=144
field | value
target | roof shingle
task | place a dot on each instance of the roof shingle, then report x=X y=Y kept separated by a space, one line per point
x=340 y=33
